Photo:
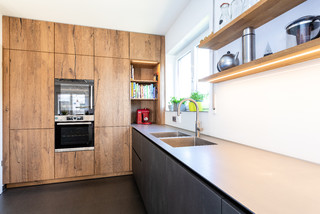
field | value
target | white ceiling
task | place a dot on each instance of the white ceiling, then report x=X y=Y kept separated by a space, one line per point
x=146 y=16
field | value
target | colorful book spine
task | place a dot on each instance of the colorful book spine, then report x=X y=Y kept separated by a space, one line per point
x=145 y=91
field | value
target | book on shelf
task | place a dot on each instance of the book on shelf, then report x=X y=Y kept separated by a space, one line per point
x=132 y=72
x=143 y=91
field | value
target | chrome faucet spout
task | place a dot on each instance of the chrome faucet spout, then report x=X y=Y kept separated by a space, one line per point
x=197 y=125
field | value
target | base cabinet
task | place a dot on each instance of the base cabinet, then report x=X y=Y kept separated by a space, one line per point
x=73 y=164
x=167 y=187
x=112 y=150
x=188 y=193
x=31 y=155
x=229 y=208
x=137 y=168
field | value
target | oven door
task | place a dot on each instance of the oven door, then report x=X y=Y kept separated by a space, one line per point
x=74 y=135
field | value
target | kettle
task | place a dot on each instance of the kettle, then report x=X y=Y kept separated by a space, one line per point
x=227 y=61
x=303 y=30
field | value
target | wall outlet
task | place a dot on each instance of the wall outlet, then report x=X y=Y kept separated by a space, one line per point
x=176 y=119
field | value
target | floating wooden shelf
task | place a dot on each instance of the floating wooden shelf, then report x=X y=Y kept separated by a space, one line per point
x=297 y=54
x=144 y=81
x=143 y=63
x=143 y=99
x=256 y=16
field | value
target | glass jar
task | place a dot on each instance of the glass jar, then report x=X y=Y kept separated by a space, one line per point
x=247 y=4
x=225 y=16
x=236 y=8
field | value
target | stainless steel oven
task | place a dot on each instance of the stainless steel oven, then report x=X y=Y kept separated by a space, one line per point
x=74 y=133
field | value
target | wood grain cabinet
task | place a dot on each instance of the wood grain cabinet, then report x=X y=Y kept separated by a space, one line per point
x=112 y=150
x=73 y=67
x=72 y=164
x=112 y=100
x=145 y=47
x=31 y=90
x=111 y=43
x=73 y=39
x=31 y=155
x=32 y=35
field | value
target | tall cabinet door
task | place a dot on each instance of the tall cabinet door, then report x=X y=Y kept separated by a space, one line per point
x=32 y=35
x=73 y=67
x=145 y=47
x=111 y=43
x=112 y=150
x=31 y=155
x=112 y=102
x=73 y=39
x=31 y=90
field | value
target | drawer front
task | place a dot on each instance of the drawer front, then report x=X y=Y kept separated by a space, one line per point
x=189 y=194
x=137 y=139
x=136 y=169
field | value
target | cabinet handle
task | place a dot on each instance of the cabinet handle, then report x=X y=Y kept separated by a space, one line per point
x=69 y=124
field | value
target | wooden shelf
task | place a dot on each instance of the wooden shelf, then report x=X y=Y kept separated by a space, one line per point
x=144 y=63
x=143 y=99
x=297 y=54
x=144 y=81
x=259 y=14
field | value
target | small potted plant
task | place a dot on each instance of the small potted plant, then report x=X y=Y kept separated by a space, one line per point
x=198 y=98
x=170 y=106
x=175 y=103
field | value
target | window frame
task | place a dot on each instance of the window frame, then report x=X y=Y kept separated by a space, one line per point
x=191 y=48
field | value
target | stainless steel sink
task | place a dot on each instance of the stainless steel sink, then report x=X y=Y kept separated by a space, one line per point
x=169 y=134
x=186 y=142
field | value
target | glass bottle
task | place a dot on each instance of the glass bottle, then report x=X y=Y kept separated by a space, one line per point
x=225 y=16
x=236 y=8
x=245 y=5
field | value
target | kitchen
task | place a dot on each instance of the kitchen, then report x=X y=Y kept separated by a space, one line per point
x=264 y=124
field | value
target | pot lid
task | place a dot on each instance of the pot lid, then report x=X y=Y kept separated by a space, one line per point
x=301 y=21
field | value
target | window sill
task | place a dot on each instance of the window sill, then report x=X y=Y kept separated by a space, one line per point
x=206 y=111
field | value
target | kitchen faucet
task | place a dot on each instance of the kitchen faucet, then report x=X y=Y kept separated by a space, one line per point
x=197 y=125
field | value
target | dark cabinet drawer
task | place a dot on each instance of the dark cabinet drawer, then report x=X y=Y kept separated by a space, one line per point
x=188 y=194
x=154 y=175
x=136 y=169
x=229 y=208
x=137 y=139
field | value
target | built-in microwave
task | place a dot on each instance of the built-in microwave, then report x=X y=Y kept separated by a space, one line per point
x=74 y=97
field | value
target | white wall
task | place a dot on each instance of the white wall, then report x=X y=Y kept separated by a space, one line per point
x=194 y=13
x=277 y=110
x=1 y=102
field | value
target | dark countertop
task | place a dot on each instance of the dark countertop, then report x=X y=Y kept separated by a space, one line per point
x=262 y=181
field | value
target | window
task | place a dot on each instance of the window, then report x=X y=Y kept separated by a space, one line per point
x=193 y=65
x=185 y=76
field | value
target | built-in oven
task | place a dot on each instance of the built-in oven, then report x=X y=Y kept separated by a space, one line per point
x=74 y=115
x=74 y=133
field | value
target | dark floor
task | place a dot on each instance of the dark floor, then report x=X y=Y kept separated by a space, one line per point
x=109 y=195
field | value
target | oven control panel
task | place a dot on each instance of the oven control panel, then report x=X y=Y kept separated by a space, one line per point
x=74 y=117
x=64 y=118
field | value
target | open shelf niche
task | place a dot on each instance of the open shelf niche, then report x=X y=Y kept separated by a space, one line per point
x=144 y=72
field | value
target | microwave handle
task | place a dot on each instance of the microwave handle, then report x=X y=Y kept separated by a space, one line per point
x=69 y=124
x=91 y=97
